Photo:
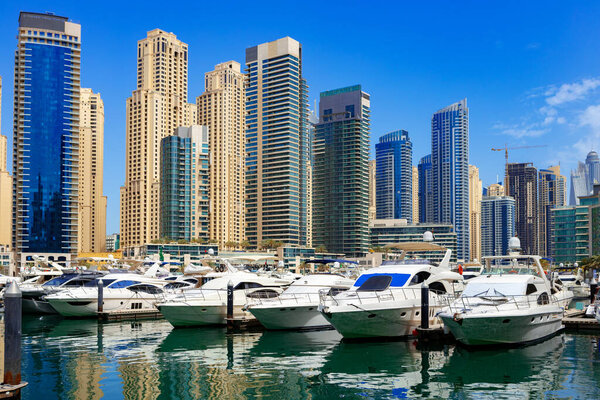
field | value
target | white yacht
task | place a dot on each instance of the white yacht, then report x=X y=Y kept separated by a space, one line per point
x=511 y=302
x=207 y=305
x=297 y=306
x=121 y=292
x=34 y=301
x=386 y=301
x=573 y=280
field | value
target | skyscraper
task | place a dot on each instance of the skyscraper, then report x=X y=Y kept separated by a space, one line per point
x=521 y=184
x=450 y=171
x=5 y=197
x=222 y=109
x=372 y=190
x=394 y=176
x=584 y=177
x=46 y=135
x=341 y=172
x=154 y=110
x=551 y=194
x=425 y=189
x=277 y=144
x=497 y=224
x=184 y=178
x=92 y=204
x=415 y=194
x=475 y=195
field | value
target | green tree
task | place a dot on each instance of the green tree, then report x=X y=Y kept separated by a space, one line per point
x=244 y=244
x=231 y=245
x=321 y=249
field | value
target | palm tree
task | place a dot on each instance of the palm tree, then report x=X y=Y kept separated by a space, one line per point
x=321 y=249
x=244 y=244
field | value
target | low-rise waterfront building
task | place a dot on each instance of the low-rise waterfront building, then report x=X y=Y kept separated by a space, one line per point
x=113 y=242
x=293 y=256
x=391 y=231
x=173 y=250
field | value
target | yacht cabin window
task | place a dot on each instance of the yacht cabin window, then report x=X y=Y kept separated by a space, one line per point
x=376 y=283
x=420 y=277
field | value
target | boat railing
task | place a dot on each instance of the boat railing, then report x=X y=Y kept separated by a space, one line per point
x=197 y=294
x=388 y=295
x=286 y=298
x=499 y=302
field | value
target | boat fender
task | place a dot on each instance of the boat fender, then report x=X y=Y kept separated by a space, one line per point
x=456 y=317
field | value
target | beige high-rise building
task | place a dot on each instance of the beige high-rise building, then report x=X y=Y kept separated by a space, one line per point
x=92 y=204
x=372 y=190
x=222 y=109
x=154 y=110
x=5 y=197
x=495 y=189
x=415 y=194
x=475 y=197
x=552 y=192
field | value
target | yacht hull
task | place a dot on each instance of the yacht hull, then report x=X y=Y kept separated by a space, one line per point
x=372 y=322
x=294 y=317
x=82 y=307
x=505 y=329
x=182 y=315
x=37 y=306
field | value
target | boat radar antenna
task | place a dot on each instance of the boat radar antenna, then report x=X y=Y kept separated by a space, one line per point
x=428 y=236
x=514 y=246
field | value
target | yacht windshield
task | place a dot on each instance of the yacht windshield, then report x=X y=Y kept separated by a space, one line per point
x=396 y=280
x=122 y=284
x=59 y=280
x=376 y=283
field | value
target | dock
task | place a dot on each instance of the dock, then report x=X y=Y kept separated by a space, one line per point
x=575 y=320
x=126 y=315
x=237 y=324
x=11 y=391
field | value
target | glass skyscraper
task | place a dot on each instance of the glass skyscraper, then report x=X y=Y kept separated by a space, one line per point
x=277 y=144
x=341 y=172
x=184 y=177
x=46 y=134
x=450 y=171
x=584 y=177
x=425 y=190
x=394 y=176
x=522 y=185
x=497 y=224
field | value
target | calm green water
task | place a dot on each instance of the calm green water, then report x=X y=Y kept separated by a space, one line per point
x=71 y=359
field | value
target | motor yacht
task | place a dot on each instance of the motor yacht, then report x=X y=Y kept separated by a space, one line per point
x=386 y=301
x=121 y=292
x=34 y=301
x=207 y=305
x=297 y=307
x=511 y=302
x=573 y=280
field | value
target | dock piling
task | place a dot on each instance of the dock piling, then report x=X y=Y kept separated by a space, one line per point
x=100 y=296
x=593 y=288
x=424 y=306
x=12 y=335
x=230 y=324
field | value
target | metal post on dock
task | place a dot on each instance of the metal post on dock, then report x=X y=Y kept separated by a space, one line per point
x=424 y=306
x=593 y=288
x=230 y=306
x=100 y=297
x=12 y=334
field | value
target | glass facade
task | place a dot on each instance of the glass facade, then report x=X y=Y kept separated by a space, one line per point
x=497 y=224
x=46 y=141
x=570 y=233
x=522 y=185
x=341 y=172
x=394 y=176
x=184 y=184
x=425 y=190
x=450 y=171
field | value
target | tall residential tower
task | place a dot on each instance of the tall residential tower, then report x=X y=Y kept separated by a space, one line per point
x=277 y=144
x=394 y=176
x=221 y=108
x=425 y=189
x=522 y=185
x=155 y=109
x=450 y=171
x=341 y=172
x=475 y=194
x=551 y=194
x=46 y=135
x=92 y=204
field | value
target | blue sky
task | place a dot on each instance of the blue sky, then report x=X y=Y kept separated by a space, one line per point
x=530 y=70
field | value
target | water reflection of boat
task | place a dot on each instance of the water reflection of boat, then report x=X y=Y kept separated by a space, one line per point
x=527 y=364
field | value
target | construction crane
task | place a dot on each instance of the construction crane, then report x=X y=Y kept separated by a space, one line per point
x=506 y=149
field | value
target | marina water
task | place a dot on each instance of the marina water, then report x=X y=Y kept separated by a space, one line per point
x=86 y=359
